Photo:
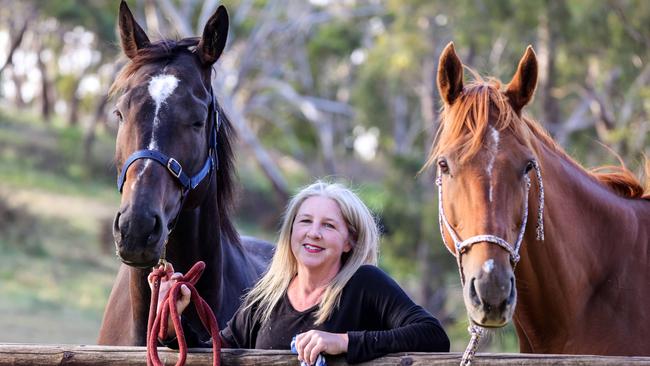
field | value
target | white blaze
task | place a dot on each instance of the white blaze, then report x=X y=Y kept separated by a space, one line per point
x=494 y=149
x=160 y=88
x=488 y=266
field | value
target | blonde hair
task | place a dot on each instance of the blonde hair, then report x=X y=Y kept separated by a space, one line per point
x=364 y=237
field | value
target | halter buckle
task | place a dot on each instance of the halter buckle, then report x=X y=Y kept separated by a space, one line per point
x=174 y=167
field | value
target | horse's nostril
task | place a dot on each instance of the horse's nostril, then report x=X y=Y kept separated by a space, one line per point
x=473 y=295
x=156 y=232
x=116 y=222
x=513 y=291
x=117 y=233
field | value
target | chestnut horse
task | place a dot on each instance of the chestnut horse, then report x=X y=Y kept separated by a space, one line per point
x=176 y=179
x=509 y=194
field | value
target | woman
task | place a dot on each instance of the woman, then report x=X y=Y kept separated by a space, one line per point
x=323 y=286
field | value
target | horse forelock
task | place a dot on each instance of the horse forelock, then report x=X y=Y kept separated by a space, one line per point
x=164 y=50
x=464 y=124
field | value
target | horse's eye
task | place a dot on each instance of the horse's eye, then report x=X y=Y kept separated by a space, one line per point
x=529 y=167
x=444 y=167
x=118 y=114
x=198 y=124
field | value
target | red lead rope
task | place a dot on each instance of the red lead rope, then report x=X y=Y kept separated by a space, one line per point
x=155 y=329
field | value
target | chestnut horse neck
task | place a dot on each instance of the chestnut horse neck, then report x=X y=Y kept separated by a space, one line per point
x=597 y=248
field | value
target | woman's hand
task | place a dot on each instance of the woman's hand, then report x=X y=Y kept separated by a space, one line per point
x=166 y=283
x=313 y=342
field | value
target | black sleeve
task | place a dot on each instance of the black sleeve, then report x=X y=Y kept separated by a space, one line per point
x=192 y=338
x=240 y=332
x=406 y=327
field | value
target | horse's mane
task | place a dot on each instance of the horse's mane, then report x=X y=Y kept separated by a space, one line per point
x=226 y=176
x=165 y=51
x=464 y=125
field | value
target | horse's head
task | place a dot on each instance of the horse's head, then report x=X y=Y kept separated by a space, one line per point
x=484 y=161
x=167 y=133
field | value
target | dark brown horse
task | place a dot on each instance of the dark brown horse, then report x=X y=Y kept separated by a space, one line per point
x=176 y=179
x=509 y=194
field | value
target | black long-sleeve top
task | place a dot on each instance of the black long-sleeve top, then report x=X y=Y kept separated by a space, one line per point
x=374 y=311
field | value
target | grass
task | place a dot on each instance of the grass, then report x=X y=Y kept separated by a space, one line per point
x=56 y=266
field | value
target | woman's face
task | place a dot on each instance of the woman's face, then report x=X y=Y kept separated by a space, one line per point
x=320 y=235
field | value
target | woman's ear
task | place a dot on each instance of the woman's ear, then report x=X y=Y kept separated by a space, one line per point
x=349 y=245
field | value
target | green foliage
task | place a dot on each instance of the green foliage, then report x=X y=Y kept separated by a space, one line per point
x=334 y=39
x=96 y=15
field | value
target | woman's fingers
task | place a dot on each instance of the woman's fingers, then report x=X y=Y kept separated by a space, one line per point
x=184 y=299
x=305 y=342
x=307 y=351
x=310 y=344
x=169 y=273
x=319 y=346
x=169 y=269
x=301 y=341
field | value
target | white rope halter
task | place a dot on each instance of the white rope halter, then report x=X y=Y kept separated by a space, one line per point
x=462 y=246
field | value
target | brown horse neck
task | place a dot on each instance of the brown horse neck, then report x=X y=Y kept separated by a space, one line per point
x=586 y=222
x=197 y=236
x=596 y=245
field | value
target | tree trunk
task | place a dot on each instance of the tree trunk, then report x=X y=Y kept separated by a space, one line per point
x=18 y=83
x=46 y=102
x=432 y=288
x=91 y=131
x=73 y=103
x=151 y=17
x=547 y=36
x=17 y=40
x=399 y=107
x=269 y=168
x=326 y=138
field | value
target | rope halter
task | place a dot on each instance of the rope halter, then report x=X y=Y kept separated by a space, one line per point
x=513 y=250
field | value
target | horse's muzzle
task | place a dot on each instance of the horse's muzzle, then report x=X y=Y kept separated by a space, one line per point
x=138 y=237
x=490 y=300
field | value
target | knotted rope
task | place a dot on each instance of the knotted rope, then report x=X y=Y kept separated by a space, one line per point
x=157 y=325
x=477 y=332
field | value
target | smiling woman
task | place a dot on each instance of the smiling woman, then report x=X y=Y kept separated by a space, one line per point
x=317 y=289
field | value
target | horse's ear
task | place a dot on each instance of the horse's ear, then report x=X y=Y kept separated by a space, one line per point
x=214 y=37
x=450 y=74
x=132 y=36
x=522 y=86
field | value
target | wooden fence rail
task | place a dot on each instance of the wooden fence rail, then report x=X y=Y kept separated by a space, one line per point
x=39 y=354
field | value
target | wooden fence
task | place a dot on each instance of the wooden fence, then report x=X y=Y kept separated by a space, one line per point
x=39 y=354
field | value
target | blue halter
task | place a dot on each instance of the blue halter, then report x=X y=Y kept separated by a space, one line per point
x=186 y=182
